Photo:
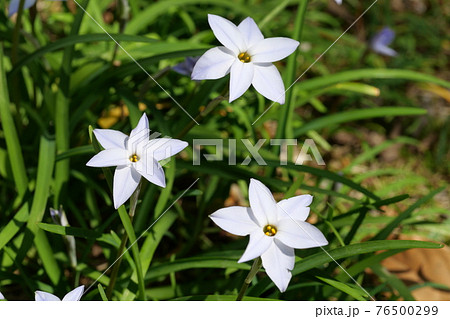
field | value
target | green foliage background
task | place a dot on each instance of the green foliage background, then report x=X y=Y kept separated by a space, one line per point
x=60 y=73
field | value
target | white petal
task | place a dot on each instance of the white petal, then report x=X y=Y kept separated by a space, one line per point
x=227 y=33
x=109 y=157
x=236 y=220
x=139 y=135
x=272 y=49
x=296 y=207
x=14 y=6
x=277 y=261
x=162 y=148
x=214 y=64
x=45 y=296
x=262 y=203
x=74 y=295
x=250 y=31
x=241 y=76
x=110 y=138
x=126 y=179
x=1 y=296
x=299 y=234
x=257 y=245
x=151 y=170
x=268 y=82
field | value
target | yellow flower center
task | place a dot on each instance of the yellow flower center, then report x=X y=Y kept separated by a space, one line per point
x=134 y=158
x=270 y=230
x=244 y=57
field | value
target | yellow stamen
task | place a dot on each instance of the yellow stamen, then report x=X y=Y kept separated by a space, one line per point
x=270 y=230
x=244 y=57
x=134 y=158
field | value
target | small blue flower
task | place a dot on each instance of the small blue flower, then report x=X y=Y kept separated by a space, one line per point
x=186 y=67
x=382 y=40
x=14 y=5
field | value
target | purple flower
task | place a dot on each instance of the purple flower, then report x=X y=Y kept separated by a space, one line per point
x=381 y=40
x=186 y=67
x=14 y=5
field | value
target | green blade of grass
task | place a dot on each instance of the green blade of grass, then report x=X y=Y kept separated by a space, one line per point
x=384 y=233
x=191 y=263
x=13 y=145
x=361 y=74
x=71 y=40
x=284 y=128
x=355 y=293
x=46 y=163
x=322 y=258
x=62 y=123
x=353 y=115
x=155 y=10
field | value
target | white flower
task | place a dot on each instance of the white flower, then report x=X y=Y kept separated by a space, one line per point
x=134 y=156
x=2 y=297
x=74 y=295
x=275 y=229
x=247 y=56
x=339 y=2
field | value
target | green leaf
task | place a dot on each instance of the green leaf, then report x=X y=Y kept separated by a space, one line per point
x=155 y=10
x=76 y=39
x=361 y=74
x=13 y=145
x=353 y=115
x=220 y=298
x=322 y=257
x=355 y=293
x=384 y=233
x=102 y=292
x=46 y=163
x=191 y=263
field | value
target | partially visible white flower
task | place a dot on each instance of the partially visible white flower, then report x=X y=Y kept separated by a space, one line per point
x=247 y=56
x=339 y=2
x=14 y=5
x=135 y=156
x=275 y=229
x=381 y=41
x=2 y=297
x=74 y=295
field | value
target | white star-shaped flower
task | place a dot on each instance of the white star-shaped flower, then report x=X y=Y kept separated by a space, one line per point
x=275 y=229
x=247 y=56
x=74 y=295
x=135 y=156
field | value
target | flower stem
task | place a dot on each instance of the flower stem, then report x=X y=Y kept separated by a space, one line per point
x=284 y=129
x=123 y=242
x=248 y=280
